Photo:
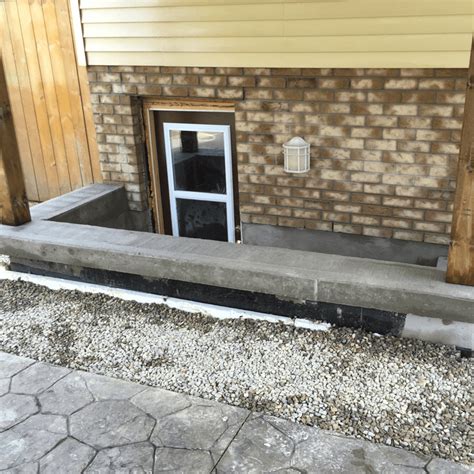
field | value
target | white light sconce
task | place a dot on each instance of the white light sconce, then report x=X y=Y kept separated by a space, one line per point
x=297 y=155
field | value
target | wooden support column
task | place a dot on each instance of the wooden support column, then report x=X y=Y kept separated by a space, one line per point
x=14 y=208
x=461 y=251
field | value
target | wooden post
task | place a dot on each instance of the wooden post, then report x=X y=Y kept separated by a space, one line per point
x=14 y=208
x=461 y=251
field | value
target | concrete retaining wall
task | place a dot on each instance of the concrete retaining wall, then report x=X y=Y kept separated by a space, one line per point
x=287 y=274
x=102 y=205
x=394 y=250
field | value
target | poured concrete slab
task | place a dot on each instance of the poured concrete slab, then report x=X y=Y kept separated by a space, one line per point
x=288 y=274
x=160 y=431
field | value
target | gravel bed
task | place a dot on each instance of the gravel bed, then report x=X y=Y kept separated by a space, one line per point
x=399 y=392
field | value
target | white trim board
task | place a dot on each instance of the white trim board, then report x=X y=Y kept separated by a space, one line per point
x=76 y=25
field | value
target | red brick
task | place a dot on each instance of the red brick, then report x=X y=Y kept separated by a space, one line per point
x=178 y=91
x=257 y=93
x=450 y=98
x=414 y=72
x=419 y=97
x=286 y=72
x=230 y=93
x=302 y=83
x=206 y=92
x=382 y=121
x=400 y=109
x=365 y=83
x=351 y=96
x=185 y=80
x=200 y=70
x=400 y=84
x=384 y=96
x=333 y=83
x=367 y=109
x=348 y=229
x=213 y=80
x=377 y=153
x=288 y=94
x=241 y=81
x=436 y=84
x=319 y=95
x=271 y=82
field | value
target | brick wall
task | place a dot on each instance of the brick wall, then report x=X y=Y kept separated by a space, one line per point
x=384 y=142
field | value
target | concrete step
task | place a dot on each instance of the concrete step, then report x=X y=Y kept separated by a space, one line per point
x=349 y=291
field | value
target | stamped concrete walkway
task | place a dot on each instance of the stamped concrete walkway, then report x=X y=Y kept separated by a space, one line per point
x=57 y=420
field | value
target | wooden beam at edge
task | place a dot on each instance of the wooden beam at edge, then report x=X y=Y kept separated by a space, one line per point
x=14 y=208
x=461 y=251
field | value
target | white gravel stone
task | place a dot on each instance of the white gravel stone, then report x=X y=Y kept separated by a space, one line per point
x=399 y=392
x=4 y=261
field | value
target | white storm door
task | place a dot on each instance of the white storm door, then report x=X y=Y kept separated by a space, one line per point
x=199 y=168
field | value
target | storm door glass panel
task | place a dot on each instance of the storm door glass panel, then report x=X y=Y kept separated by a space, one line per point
x=202 y=219
x=198 y=161
x=199 y=168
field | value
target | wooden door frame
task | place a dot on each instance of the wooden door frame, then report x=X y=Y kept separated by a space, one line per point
x=151 y=105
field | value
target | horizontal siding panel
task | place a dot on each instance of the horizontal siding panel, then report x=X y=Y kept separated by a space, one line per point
x=103 y=4
x=350 y=26
x=184 y=29
x=376 y=8
x=317 y=44
x=84 y=4
x=418 y=59
x=442 y=6
x=280 y=11
x=204 y=13
x=265 y=33
x=380 y=26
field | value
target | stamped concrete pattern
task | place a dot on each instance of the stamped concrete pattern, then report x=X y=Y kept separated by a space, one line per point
x=267 y=443
x=55 y=420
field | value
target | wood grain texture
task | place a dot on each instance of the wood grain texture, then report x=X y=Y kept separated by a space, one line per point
x=16 y=105
x=14 y=209
x=461 y=252
x=39 y=100
x=38 y=144
x=278 y=33
x=50 y=99
x=72 y=97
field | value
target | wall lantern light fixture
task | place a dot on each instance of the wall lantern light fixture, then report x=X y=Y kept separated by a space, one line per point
x=297 y=155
